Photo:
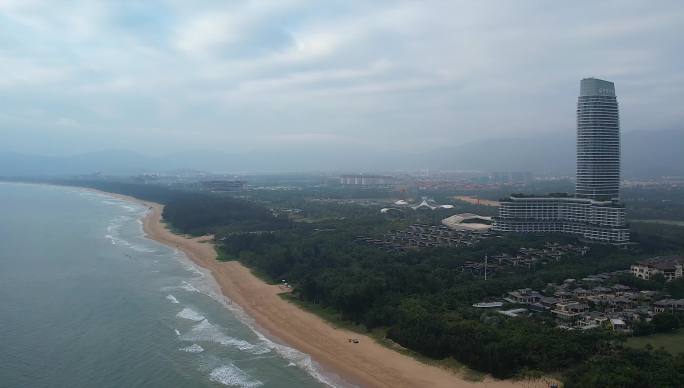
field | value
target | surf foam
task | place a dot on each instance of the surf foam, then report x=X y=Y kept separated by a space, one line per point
x=233 y=376
x=190 y=314
x=207 y=285
x=194 y=348
x=205 y=331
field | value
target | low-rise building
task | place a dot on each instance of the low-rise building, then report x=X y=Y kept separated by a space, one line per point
x=581 y=293
x=669 y=305
x=591 y=320
x=524 y=296
x=548 y=302
x=570 y=311
x=619 y=325
x=669 y=266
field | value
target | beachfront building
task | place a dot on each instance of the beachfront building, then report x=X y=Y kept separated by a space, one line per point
x=594 y=213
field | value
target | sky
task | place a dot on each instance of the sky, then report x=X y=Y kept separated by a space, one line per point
x=162 y=76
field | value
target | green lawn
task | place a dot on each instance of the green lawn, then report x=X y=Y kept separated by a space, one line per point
x=672 y=342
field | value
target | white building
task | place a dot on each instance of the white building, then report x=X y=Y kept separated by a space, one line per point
x=588 y=219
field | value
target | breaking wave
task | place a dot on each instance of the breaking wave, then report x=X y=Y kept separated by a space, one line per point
x=207 y=285
x=205 y=331
x=233 y=376
x=190 y=314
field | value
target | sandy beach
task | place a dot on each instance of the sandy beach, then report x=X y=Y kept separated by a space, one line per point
x=366 y=364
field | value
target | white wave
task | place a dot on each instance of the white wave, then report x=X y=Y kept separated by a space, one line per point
x=188 y=287
x=233 y=376
x=190 y=314
x=172 y=299
x=114 y=236
x=128 y=244
x=208 y=286
x=128 y=206
x=194 y=348
x=188 y=265
x=177 y=332
x=131 y=208
x=205 y=331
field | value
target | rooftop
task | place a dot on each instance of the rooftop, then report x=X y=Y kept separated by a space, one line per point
x=596 y=87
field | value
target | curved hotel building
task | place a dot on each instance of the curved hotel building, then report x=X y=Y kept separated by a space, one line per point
x=595 y=212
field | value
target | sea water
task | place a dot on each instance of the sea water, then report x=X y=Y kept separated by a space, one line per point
x=87 y=301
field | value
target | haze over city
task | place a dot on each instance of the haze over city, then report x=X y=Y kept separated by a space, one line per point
x=160 y=77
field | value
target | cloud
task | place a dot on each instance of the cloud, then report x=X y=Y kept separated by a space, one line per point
x=404 y=74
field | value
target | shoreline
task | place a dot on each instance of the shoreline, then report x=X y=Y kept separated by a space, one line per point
x=366 y=364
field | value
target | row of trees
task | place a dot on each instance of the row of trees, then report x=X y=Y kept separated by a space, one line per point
x=622 y=367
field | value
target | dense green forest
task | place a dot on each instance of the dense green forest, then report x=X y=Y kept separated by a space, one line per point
x=422 y=300
x=621 y=368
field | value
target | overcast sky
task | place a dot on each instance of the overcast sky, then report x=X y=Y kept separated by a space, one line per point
x=90 y=75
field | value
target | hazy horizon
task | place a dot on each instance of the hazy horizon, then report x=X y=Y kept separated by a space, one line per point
x=164 y=77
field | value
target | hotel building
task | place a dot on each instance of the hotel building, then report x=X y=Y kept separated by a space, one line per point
x=595 y=212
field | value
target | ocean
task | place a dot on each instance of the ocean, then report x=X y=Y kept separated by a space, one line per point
x=87 y=301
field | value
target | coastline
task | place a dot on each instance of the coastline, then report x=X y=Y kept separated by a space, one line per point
x=366 y=364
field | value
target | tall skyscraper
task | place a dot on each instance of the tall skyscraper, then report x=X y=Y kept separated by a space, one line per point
x=598 y=141
x=594 y=212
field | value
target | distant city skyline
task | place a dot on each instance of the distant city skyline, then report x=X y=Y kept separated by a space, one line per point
x=164 y=76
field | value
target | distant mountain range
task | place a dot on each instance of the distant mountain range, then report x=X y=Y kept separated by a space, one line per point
x=645 y=153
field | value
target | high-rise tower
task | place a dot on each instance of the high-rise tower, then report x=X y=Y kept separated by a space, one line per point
x=598 y=141
x=595 y=212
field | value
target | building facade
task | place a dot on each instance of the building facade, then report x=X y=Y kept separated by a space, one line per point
x=598 y=141
x=590 y=220
x=594 y=213
x=671 y=267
